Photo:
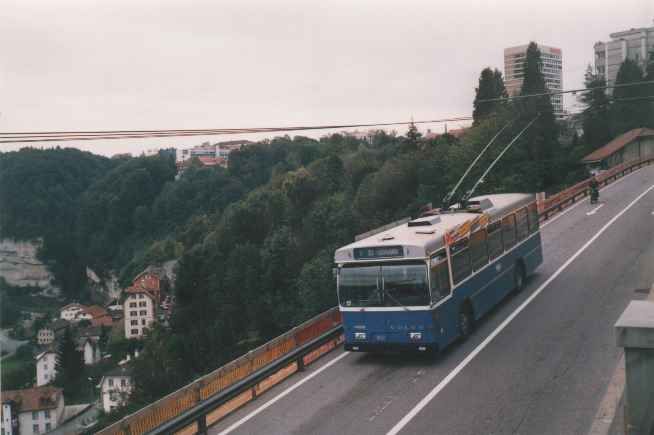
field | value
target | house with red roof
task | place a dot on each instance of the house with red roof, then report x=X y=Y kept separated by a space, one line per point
x=628 y=147
x=140 y=309
x=32 y=410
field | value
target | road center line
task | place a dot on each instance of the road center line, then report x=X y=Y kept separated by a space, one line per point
x=593 y=211
x=438 y=388
x=282 y=394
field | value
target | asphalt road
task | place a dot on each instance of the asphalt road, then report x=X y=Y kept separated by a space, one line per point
x=8 y=344
x=545 y=372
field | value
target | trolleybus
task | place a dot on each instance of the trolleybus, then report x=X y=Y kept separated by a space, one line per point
x=421 y=284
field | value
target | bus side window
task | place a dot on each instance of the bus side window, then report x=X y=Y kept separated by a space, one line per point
x=478 y=252
x=508 y=231
x=522 y=225
x=533 y=217
x=439 y=276
x=460 y=261
x=495 y=248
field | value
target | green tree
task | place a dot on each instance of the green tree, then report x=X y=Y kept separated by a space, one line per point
x=596 y=116
x=627 y=111
x=70 y=365
x=412 y=138
x=491 y=86
x=534 y=159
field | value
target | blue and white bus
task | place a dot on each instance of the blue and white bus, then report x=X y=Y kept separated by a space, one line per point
x=422 y=284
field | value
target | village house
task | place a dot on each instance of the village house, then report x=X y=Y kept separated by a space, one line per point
x=90 y=350
x=115 y=388
x=153 y=279
x=50 y=332
x=98 y=316
x=46 y=369
x=70 y=311
x=31 y=411
x=140 y=309
x=628 y=147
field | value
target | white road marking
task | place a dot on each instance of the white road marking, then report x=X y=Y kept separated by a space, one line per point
x=593 y=211
x=282 y=394
x=549 y=221
x=438 y=388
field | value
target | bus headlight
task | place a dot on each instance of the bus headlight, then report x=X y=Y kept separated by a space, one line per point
x=359 y=335
x=415 y=335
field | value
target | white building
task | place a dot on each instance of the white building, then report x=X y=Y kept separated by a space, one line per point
x=32 y=411
x=90 y=350
x=48 y=334
x=552 y=69
x=139 y=311
x=45 y=336
x=219 y=151
x=46 y=369
x=71 y=311
x=115 y=388
x=634 y=44
x=7 y=423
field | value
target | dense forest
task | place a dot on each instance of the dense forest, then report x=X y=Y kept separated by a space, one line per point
x=255 y=241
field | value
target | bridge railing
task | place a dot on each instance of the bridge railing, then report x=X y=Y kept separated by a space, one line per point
x=556 y=203
x=252 y=373
x=205 y=401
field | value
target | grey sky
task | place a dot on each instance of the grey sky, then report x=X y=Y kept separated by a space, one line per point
x=81 y=65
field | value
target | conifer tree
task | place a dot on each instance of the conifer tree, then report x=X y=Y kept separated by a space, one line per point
x=70 y=365
x=537 y=163
x=412 y=137
x=596 y=117
x=627 y=112
x=491 y=86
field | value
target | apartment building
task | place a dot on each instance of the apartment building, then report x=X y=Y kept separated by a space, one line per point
x=634 y=44
x=552 y=69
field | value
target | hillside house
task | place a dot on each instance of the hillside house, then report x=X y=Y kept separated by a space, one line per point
x=46 y=369
x=115 y=388
x=32 y=411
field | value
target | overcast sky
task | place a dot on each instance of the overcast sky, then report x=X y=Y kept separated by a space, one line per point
x=163 y=64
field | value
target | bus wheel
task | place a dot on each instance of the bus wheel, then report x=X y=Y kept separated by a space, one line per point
x=519 y=277
x=466 y=320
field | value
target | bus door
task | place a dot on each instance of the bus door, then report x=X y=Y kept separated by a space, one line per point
x=444 y=313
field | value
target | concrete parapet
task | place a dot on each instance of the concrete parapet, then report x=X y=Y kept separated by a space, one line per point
x=635 y=333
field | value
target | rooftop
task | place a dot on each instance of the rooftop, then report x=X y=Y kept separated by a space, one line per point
x=95 y=311
x=33 y=399
x=424 y=235
x=617 y=144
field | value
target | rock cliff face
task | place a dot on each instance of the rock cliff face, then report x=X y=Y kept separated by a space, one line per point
x=20 y=267
x=109 y=287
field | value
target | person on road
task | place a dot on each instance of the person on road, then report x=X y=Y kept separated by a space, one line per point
x=594 y=190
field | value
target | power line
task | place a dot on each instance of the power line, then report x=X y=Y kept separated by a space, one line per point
x=567 y=91
x=53 y=136
x=613 y=101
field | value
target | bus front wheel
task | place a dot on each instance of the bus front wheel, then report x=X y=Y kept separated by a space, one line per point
x=466 y=320
x=519 y=277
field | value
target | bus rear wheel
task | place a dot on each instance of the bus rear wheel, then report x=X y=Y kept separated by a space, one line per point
x=519 y=277
x=466 y=321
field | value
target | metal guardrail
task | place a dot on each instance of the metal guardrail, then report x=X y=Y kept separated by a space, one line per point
x=305 y=341
x=572 y=194
x=205 y=401
x=295 y=360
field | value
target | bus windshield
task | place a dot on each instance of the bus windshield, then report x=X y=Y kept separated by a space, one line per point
x=388 y=285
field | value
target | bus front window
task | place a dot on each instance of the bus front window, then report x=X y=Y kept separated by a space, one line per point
x=359 y=286
x=405 y=284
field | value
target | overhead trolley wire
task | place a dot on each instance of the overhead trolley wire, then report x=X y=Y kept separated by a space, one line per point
x=65 y=136
x=567 y=91
x=51 y=136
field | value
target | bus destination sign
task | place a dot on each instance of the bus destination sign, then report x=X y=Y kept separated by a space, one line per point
x=378 y=252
